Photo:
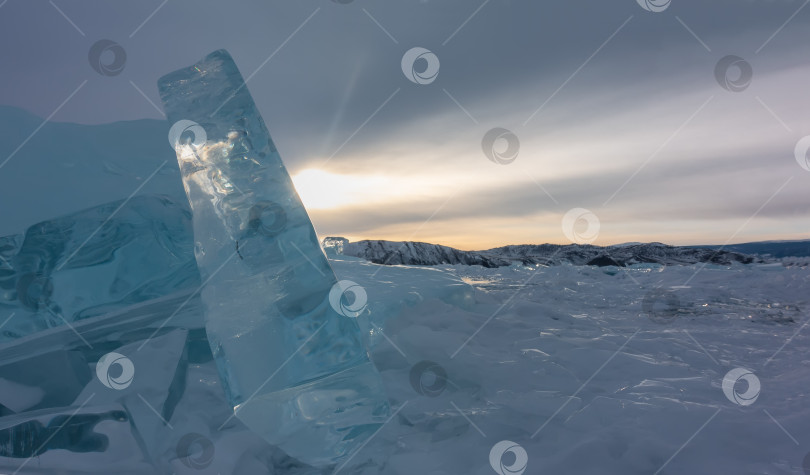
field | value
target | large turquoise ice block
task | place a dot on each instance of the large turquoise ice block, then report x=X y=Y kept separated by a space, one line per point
x=93 y=262
x=295 y=370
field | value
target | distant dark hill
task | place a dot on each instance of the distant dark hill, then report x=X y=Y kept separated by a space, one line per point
x=775 y=249
x=426 y=254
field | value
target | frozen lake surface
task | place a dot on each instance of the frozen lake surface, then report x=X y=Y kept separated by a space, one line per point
x=565 y=362
x=569 y=363
x=582 y=369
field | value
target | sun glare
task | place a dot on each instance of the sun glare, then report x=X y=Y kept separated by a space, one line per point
x=319 y=189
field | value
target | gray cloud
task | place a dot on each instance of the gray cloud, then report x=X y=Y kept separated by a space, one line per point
x=317 y=90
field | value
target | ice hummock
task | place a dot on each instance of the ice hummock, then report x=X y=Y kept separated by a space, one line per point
x=295 y=371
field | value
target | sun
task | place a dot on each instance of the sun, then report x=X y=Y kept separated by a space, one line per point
x=319 y=189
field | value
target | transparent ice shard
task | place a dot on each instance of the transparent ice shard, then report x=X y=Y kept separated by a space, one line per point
x=295 y=371
x=333 y=246
x=56 y=371
x=156 y=367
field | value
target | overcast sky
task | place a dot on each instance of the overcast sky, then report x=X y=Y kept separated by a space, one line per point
x=618 y=110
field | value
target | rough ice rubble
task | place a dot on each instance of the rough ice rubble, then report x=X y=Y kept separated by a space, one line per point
x=395 y=289
x=175 y=392
x=508 y=380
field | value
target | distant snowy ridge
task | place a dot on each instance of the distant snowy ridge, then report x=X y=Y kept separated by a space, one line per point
x=420 y=253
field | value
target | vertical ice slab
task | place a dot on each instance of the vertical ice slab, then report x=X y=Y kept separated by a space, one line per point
x=294 y=369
